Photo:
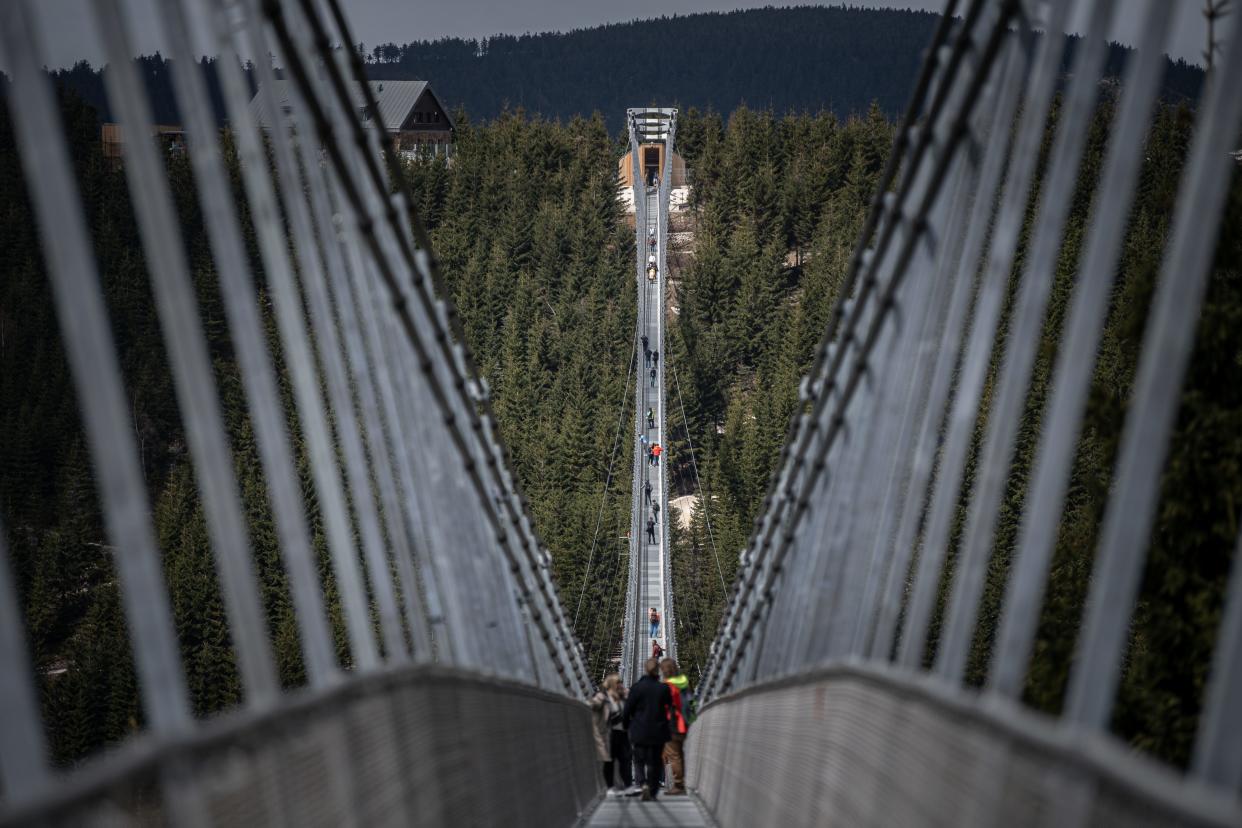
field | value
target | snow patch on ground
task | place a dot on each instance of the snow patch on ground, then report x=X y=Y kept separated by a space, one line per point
x=685 y=507
x=678 y=199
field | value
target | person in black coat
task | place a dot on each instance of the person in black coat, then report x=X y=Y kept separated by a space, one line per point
x=646 y=718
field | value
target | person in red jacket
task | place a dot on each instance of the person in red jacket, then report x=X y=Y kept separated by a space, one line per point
x=674 y=749
x=656 y=451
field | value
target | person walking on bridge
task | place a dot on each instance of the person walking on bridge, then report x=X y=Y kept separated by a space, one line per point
x=650 y=418
x=611 y=746
x=679 y=724
x=656 y=451
x=653 y=376
x=655 y=512
x=650 y=530
x=653 y=618
x=646 y=716
x=647 y=490
x=646 y=351
x=655 y=359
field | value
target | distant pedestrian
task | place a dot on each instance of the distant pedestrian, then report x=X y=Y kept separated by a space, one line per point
x=655 y=359
x=650 y=530
x=650 y=418
x=656 y=451
x=653 y=376
x=646 y=349
x=646 y=718
x=653 y=620
x=655 y=512
x=647 y=490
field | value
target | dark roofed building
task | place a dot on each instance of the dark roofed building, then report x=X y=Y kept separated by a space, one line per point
x=410 y=111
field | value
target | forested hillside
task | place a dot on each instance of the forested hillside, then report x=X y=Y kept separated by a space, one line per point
x=806 y=58
x=765 y=187
x=810 y=58
x=772 y=192
x=63 y=563
x=529 y=233
x=528 y=226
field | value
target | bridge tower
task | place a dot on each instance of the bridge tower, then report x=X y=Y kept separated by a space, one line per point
x=651 y=133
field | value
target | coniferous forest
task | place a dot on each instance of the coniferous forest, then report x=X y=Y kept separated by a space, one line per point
x=539 y=261
x=837 y=58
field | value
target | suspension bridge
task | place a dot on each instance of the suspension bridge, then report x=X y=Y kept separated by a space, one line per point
x=463 y=699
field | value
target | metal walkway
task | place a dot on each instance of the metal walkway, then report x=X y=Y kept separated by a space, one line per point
x=650 y=585
x=664 y=812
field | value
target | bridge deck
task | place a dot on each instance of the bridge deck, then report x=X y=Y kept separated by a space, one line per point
x=651 y=397
x=631 y=812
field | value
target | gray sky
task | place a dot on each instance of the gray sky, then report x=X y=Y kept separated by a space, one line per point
x=67 y=24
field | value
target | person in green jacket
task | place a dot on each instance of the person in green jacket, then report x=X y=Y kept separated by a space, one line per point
x=679 y=724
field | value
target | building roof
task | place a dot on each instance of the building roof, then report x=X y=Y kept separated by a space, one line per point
x=396 y=99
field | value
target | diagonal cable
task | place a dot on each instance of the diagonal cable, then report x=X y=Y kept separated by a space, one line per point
x=629 y=372
x=698 y=484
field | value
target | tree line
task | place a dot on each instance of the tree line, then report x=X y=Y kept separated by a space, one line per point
x=801 y=58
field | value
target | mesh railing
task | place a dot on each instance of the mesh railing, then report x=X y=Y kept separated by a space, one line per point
x=431 y=552
x=880 y=525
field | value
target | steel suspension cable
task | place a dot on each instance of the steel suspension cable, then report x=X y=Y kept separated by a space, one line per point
x=607 y=613
x=698 y=484
x=616 y=442
x=449 y=335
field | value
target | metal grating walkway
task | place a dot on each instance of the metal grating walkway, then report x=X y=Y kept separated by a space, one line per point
x=631 y=812
x=649 y=585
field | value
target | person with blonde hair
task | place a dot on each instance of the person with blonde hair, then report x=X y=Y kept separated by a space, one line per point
x=612 y=745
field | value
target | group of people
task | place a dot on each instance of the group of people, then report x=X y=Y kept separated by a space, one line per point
x=639 y=731
x=652 y=450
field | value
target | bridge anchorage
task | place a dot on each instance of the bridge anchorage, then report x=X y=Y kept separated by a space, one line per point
x=836 y=690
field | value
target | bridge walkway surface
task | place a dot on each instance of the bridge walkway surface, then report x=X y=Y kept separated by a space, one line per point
x=652 y=396
x=664 y=812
